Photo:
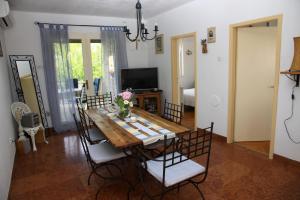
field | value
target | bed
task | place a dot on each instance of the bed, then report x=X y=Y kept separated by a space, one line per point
x=189 y=97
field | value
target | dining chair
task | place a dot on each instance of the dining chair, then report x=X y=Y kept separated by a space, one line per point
x=99 y=101
x=75 y=83
x=96 y=85
x=179 y=164
x=101 y=155
x=173 y=112
x=92 y=134
x=83 y=93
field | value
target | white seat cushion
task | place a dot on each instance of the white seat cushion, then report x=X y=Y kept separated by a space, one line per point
x=95 y=134
x=104 y=152
x=176 y=173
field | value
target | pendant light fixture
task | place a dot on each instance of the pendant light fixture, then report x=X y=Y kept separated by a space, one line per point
x=141 y=31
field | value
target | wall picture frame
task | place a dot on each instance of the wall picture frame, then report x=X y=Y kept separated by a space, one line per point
x=1 y=51
x=211 y=34
x=159 y=44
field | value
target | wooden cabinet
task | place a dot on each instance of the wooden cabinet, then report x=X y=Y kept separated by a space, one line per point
x=149 y=101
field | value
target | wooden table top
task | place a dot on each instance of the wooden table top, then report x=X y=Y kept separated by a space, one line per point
x=119 y=137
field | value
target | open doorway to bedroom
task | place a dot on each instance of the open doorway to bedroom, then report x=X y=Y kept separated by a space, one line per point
x=184 y=78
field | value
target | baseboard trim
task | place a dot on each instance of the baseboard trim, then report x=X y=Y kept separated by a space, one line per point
x=287 y=160
x=219 y=137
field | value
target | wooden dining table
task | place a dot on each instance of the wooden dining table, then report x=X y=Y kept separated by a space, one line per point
x=122 y=139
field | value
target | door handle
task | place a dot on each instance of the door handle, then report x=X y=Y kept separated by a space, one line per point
x=271 y=86
x=87 y=84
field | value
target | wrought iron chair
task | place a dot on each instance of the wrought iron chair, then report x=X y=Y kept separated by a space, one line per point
x=101 y=155
x=176 y=167
x=173 y=112
x=92 y=134
x=18 y=109
x=99 y=101
x=83 y=93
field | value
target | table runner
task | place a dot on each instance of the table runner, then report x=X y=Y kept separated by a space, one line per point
x=141 y=128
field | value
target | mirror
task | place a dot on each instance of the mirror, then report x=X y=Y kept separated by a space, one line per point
x=27 y=85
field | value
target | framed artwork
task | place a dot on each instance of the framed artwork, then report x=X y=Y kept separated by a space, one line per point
x=211 y=34
x=1 y=52
x=159 y=44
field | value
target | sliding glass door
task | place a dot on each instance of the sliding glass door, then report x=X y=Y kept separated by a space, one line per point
x=85 y=51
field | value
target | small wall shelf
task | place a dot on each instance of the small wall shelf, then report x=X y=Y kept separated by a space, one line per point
x=296 y=74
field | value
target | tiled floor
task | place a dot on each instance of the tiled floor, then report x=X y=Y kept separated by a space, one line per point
x=59 y=171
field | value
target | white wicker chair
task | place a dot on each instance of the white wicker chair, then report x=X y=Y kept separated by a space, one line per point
x=18 y=109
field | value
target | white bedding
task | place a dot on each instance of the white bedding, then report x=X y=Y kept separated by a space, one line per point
x=189 y=97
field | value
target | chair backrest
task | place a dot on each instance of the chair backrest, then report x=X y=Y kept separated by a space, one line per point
x=75 y=82
x=188 y=146
x=83 y=93
x=173 y=112
x=81 y=135
x=18 y=109
x=84 y=122
x=99 y=101
x=96 y=85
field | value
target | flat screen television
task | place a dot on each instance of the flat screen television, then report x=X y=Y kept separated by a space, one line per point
x=139 y=78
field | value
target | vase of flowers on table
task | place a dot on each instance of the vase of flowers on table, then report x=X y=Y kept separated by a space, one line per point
x=124 y=102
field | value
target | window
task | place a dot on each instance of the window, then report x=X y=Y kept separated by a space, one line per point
x=97 y=58
x=76 y=60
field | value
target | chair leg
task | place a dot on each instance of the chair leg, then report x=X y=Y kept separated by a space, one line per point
x=89 y=179
x=162 y=196
x=198 y=189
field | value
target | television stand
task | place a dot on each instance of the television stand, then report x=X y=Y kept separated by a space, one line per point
x=149 y=100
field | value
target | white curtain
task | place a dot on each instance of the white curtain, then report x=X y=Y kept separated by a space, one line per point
x=114 y=58
x=58 y=75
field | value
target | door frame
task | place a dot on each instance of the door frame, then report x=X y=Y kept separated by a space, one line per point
x=232 y=76
x=175 y=70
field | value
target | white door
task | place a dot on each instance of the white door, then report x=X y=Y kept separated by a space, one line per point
x=255 y=76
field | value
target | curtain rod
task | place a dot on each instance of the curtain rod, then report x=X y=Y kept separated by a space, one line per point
x=37 y=23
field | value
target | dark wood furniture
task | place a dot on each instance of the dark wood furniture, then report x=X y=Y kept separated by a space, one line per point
x=296 y=75
x=122 y=139
x=149 y=101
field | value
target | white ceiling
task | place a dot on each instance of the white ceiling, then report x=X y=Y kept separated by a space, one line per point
x=114 y=8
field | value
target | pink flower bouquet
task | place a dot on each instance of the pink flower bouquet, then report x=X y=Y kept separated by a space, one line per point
x=124 y=101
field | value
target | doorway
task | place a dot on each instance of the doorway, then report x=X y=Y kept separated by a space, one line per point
x=254 y=74
x=86 y=61
x=184 y=76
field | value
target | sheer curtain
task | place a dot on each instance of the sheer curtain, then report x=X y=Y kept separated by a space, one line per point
x=114 y=58
x=58 y=75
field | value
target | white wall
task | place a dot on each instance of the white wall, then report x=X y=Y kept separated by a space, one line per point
x=7 y=150
x=213 y=66
x=188 y=79
x=24 y=38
